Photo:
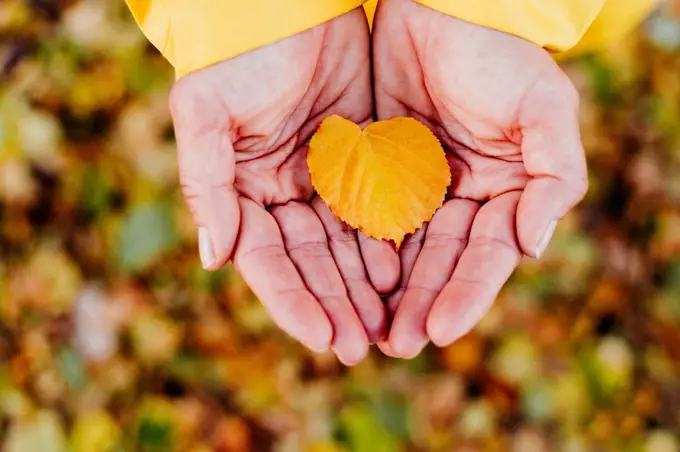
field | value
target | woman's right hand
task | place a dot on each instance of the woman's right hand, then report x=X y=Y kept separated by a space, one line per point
x=242 y=128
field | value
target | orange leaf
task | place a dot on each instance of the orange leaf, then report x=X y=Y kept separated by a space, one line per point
x=386 y=180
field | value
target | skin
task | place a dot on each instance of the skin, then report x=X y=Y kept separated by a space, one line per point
x=508 y=119
x=242 y=128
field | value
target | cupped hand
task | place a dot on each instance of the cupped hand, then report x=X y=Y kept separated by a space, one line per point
x=508 y=119
x=242 y=128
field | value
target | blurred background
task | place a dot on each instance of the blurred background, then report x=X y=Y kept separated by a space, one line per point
x=112 y=338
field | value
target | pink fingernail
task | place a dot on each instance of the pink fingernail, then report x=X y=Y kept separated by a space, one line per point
x=205 y=248
x=546 y=239
x=318 y=349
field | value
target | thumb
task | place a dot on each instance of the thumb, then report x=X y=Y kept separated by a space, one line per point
x=207 y=171
x=553 y=156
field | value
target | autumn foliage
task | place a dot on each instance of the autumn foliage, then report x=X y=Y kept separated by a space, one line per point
x=113 y=339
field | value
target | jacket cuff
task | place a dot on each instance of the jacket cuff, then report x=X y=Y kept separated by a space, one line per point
x=195 y=34
x=557 y=25
x=616 y=20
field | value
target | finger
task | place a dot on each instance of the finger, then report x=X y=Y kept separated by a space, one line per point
x=344 y=247
x=554 y=157
x=307 y=245
x=206 y=170
x=261 y=259
x=384 y=347
x=408 y=253
x=446 y=238
x=382 y=263
x=491 y=255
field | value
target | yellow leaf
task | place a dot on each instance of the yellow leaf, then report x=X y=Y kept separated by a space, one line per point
x=386 y=180
x=95 y=431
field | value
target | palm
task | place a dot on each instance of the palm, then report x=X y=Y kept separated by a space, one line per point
x=486 y=96
x=244 y=125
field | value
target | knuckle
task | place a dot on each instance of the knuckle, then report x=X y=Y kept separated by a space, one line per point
x=492 y=244
x=343 y=239
x=475 y=281
x=444 y=241
x=310 y=250
x=196 y=187
x=267 y=253
x=333 y=302
x=430 y=291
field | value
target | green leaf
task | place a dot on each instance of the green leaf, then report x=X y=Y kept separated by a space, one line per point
x=392 y=413
x=389 y=409
x=156 y=426
x=72 y=368
x=363 y=432
x=588 y=368
x=154 y=434
x=148 y=232
x=144 y=75
x=603 y=80
x=537 y=400
x=195 y=370
x=95 y=194
x=208 y=282
x=421 y=364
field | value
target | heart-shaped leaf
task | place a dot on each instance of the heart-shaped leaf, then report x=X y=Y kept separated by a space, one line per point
x=386 y=180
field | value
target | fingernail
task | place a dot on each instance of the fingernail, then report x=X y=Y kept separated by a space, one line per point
x=409 y=351
x=205 y=248
x=318 y=349
x=441 y=334
x=543 y=244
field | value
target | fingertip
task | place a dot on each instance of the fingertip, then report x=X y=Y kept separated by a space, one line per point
x=352 y=354
x=307 y=323
x=384 y=347
x=225 y=228
x=542 y=204
x=387 y=279
x=545 y=239
x=446 y=324
x=407 y=336
x=319 y=336
x=369 y=307
x=213 y=256
x=377 y=330
x=382 y=264
x=406 y=347
x=384 y=268
x=218 y=218
x=441 y=325
x=205 y=249
x=441 y=332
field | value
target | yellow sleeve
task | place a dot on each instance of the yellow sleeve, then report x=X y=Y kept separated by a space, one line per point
x=557 y=25
x=616 y=19
x=193 y=34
